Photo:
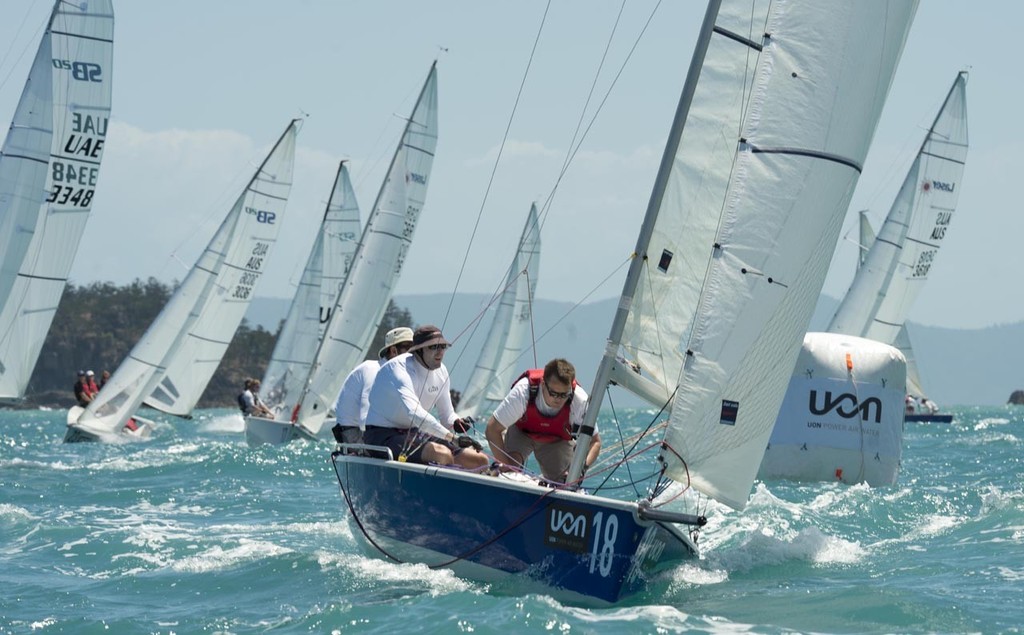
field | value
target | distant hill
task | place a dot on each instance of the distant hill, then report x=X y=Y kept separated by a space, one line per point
x=958 y=366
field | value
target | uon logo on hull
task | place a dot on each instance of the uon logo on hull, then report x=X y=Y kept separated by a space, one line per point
x=846 y=406
x=567 y=528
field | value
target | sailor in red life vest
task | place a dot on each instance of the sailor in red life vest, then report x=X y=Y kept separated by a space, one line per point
x=538 y=415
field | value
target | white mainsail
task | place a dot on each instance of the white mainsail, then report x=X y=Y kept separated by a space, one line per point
x=767 y=146
x=508 y=335
x=385 y=240
x=899 y=259
x=48 y=174
x=228 y=268
x=328 y=262
x=259 y=210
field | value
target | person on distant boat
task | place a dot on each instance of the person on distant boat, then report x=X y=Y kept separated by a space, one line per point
x=82 y=393
x=249 y=400
x=104 y=377
x=404 y=392
x=90 y=378
x=354 y=398
x=928 y=407
x=911 y=405
x=540 y=416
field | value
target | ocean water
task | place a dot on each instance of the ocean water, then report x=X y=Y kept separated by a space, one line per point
x=195 y=532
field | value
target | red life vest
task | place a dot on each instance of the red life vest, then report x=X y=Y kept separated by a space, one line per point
x=540 y=427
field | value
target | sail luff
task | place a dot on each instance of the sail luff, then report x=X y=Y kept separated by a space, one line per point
x=640 y=255
x=377 y=262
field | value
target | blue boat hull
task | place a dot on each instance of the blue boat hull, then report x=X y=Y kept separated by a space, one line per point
x=929 y=418
x=580 y=548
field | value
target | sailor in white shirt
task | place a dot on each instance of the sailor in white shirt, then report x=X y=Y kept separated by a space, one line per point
x=354 y=398
x=404 y=392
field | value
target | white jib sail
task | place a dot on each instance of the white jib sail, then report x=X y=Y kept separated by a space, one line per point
x=237 y=245
x=329 y=261
x=378 y=261
x=509 y=332
x=897 y=265
x=48 y=175
x=782 y=112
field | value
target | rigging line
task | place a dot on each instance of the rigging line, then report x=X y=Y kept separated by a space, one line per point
x=569 y=153
x=497 y=160
x=477 y=319
x=551 y=195
x=640 y=437
x=657 y=322
x=618 y=427
x=27 y=47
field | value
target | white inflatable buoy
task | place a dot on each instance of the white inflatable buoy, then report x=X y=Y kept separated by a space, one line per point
x=842 y=417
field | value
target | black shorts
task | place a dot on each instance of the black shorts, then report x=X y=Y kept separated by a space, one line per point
x=406 y=440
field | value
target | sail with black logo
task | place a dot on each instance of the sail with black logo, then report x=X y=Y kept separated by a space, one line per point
x=49 y=170
x=900 y=257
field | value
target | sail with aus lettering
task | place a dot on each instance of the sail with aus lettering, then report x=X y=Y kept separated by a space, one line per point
x=217 y=289
x=49 y=169
x=509 y=333
x=773 y=125
x=900 y=257
x=328 y=263
x=376 y=266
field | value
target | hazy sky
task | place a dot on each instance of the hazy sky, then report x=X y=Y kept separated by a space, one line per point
x=202 y=87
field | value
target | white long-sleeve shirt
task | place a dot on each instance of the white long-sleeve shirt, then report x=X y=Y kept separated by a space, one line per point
x=354 y=399
x=403 y=393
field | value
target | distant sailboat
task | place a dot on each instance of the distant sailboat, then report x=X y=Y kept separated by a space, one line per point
x=509 y=333
x=360 y=306
x=328 y=263
x=768 y=140
x=899 y=259
x=49 y=169
x=198 y=321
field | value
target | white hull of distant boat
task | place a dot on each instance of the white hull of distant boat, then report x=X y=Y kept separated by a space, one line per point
x=260 y=431
x=76 y=434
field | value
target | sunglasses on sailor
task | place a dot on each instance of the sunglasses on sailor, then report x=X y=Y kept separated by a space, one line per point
x=436 y=347
x=556 y=394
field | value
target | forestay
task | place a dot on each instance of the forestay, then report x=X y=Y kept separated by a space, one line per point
x=221 y=281
x=901 y=256
x=48 y=175
x=508 y=335
x=359 y=307
x=328 y=262
x=755 y=187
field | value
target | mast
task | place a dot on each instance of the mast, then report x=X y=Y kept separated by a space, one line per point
x=604 y=368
